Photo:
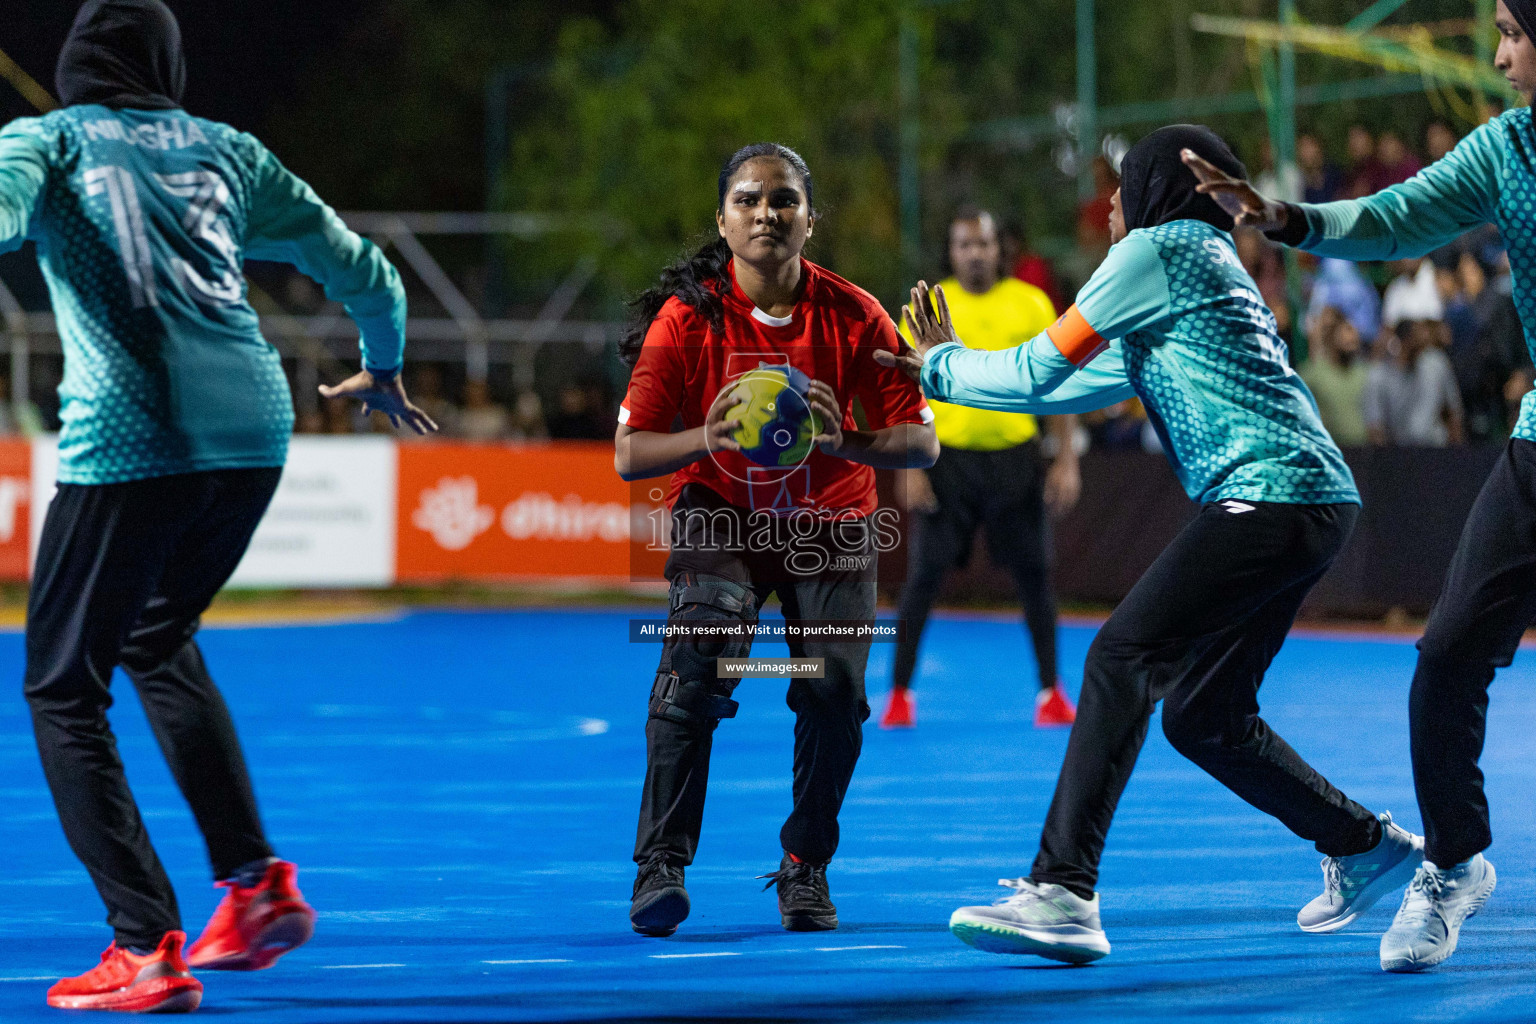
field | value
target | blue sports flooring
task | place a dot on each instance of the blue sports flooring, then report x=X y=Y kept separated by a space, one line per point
x=460 y=790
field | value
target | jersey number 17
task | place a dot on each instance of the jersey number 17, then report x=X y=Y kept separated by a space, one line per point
x=207 y=197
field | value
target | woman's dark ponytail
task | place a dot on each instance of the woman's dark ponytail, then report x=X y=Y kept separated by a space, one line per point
x=695 y=280
x=700 y=279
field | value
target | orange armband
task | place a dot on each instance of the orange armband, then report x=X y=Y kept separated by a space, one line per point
x=1074 y=339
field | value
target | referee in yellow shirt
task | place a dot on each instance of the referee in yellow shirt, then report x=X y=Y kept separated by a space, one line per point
x=990 y=474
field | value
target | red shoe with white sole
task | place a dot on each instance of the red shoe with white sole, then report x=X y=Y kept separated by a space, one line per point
x=1053 y=708
x=254 y=926
x=900 y=711
x=159 y=982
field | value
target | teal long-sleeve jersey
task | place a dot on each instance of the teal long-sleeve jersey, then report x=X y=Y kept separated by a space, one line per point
x=143 y=221
x=1489 y=178
x=1177 y=322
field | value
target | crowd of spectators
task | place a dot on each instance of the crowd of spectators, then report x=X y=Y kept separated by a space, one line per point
x=579 y=410
x=1423 y=352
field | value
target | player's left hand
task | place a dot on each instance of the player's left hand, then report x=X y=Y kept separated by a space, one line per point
x=829 y=416
x=387 y=397
x=1240 y=199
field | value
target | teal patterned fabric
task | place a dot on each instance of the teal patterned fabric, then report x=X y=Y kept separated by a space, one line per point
x=143 y=221
x=1215 y=377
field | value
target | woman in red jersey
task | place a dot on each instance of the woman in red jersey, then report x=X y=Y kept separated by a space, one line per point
x=741 y=531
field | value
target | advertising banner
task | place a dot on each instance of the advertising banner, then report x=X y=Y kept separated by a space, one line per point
x=534 y=512
x=332 y=521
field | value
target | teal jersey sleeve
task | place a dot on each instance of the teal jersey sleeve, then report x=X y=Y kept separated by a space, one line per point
x=1451 y=196
x=23 y=173
x=290 y=224
x=1129 y=292
x=1033 y=378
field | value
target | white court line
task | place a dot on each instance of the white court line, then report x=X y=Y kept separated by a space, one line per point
x=525 y=961
x=687 y=956
x=40 y=977
x=838 y=949
x=356 y=967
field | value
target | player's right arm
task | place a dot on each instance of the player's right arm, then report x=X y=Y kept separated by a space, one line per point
x=645 y=444
x=23 y=173
x=289 y=223
x=1456 y=193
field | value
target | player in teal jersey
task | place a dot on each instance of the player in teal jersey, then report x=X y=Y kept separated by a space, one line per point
x=1172 y=318
x=1488 y=598
x=176 y=417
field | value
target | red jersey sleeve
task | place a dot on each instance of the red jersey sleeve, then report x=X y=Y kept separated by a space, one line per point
x=656 y=384
x=888 y=395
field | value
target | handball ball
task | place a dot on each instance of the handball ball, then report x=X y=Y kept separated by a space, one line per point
x=777 y=424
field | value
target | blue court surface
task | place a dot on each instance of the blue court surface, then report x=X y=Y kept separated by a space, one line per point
x=460 y=791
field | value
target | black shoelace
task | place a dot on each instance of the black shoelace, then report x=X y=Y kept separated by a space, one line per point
x=804 y=882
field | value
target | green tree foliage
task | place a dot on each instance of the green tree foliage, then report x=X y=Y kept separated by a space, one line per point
x=625 y=109
x=637 y=120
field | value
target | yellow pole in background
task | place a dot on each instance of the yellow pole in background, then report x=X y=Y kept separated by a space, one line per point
x=25 y=84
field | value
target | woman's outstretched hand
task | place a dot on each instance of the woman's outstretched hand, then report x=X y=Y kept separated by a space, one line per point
x=387 y=397
x=928 y=322
x=1248 y=208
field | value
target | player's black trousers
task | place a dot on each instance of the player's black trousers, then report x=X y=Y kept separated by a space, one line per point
x=1002 y=492
x=829 y=712
x=123 y=573
x=1198 y=632
x=1486 y=603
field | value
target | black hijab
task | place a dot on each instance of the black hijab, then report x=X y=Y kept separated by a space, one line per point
x=1156 y=187
x=1525 y=13
x=123 y=53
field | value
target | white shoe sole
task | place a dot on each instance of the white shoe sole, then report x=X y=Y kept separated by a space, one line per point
x=1406 y=964
x=1068 y=944
x=1393 y=880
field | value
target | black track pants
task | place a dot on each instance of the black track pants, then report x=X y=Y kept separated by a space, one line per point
x=123 y=573
x=829 y=712
x=1486 y=603
x=1198 y=632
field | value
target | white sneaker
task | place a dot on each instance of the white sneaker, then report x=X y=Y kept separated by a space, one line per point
x=1438 y=900
x=1045 y=920
x=1352 y=885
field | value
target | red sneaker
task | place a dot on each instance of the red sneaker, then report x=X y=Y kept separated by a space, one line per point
x=253 y=927
x=157 y=983
x=900 y=711
x=1052 y=708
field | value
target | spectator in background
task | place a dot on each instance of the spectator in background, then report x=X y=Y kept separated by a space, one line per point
x=1439 y=140
x=1411 y=395
x=580 y=411
x=1395 y=161
x=1340 y=284
x=1411 y=294
x=1336 y=376
x=341 y=416
x=1363 y=166
x=1122 y=427
x=427 y=387
x=1027 y=265
x=482 y=419
x=528 y=418
x=1282 y=184
x=1321 y=180
x=1093 y=214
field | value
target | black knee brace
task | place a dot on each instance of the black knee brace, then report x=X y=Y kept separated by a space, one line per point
x=687 y=689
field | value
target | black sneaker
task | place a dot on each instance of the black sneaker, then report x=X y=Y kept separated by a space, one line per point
x=660 y=903
x=803 y=898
